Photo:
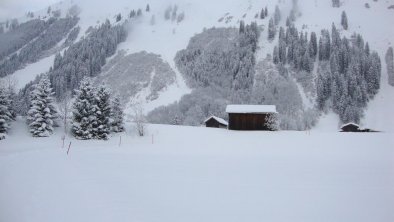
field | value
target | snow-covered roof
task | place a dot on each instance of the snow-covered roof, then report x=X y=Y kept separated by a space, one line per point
x=351 y=123
x=251 y=109
x=220 y=120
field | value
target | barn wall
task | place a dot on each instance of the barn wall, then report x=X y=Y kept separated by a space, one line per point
x=248 y=121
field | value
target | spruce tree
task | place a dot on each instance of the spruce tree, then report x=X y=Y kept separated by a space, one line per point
x=344 y=20
x=335 y=3
x=241 y=26
x=277 y=16
x=313 y=45
x=102 y=126
x=276 y=55
x=84 y=111
x=390 y=65
x=271 y=29
x=42 y=113
x=117 y=115
x=262 y=14
x=5 y=115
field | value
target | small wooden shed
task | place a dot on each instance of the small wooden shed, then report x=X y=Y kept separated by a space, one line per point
x=350 y=127
x=215 y=122
x=251 y=117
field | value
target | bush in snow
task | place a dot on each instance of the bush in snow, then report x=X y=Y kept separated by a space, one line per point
x=42 y=112
x=272 y=122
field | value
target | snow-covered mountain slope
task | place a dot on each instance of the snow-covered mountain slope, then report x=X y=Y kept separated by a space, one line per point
x=152 y=33
x=179 y=173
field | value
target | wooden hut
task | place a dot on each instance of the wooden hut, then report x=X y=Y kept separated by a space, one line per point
x=215 y=122
x=350 y=127
x=251 y=117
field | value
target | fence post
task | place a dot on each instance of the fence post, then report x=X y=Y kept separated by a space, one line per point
x=69 y=146
x=120 y=140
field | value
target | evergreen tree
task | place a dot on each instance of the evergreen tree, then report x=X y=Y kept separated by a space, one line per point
x=139 y=12
x=103 y=113
x=282 y=51
x=147 y=8
x=390 y=65
x=276 y=55
x=241 y=26
x=118 y=17
x=266 y=11
x=288 y=22
x=271 y=29
x=367 y=50
x=132 y=13
x=306 y=62
x=335 y=3
x=84 y=111
x=344 y=20
x=42 y=113
x=313 y=45
x=262 y=14
x=277 y=15
x=5 y=115
x=117 y=115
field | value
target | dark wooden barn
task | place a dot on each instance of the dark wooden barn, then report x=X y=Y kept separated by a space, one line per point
x=215 y=122
x=350 y=127
x=250 y=117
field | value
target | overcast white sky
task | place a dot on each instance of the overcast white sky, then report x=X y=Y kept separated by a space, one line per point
x=17 y=8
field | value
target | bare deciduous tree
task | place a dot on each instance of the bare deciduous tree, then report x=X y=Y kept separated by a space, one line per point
x=139 y=119
x=64 y=106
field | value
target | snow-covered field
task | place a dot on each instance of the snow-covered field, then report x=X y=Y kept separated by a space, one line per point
x=198 y=174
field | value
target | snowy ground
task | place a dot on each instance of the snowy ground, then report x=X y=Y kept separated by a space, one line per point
x=198 y=174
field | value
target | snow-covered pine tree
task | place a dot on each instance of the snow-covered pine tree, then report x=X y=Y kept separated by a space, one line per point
x=84 y=111
x=241 y=26
x=42 y=113
x=277 y=15
x=118 y=17
x=266 y=11
x=262 y=14
x=117 y=115
x=344 y=20
x=5 y=115
x=390 y=65
x=147 y=8
x=271 y=29
x=132 y=14
x=335 y=3
x=313 y=45
x=103 y=113
x=139 y=12
x=276 y=55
